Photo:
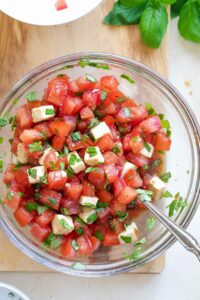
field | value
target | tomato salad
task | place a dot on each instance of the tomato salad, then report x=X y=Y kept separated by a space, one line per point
x=83 y=159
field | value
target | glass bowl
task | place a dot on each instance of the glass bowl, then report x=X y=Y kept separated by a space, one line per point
x=182 y=161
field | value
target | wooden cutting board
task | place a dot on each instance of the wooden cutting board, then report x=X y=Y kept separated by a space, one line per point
x=23 y=47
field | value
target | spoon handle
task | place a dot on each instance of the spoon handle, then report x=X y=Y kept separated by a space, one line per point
x=186 y=239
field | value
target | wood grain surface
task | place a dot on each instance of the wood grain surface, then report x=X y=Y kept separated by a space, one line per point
x=23 y=47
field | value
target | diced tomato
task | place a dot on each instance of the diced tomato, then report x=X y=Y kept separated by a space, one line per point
x=88 y=189
x=9 y=174
x=126 y=142
x=110 y=239
x=51 y=160
x=73 y=87
x=57 y=90
x=97 y=178
x=33 y=104
x=116 y=207
x=72 y=206
x=91 y=98
x=137 y=159
x=150 y=125
x=40 y=233
x=104 y=196
x=114 y=132
x=85 y=245
x=23 y=117
x=108 y=107
x=136 y=144
x=133 y=179
x=104 y=215
x=127 y=195
x=50 y=198
x=56 y=180
x=21 y=176
x=162 y=142
x=132 y=114
x=73 y=146
x=73 y=190
x=59 y=128
x=105 y=143
x=86 y=113
x=29 y=136
x=115 y=95
x=13 y=199
x=118 y=185
x=84 y=84
x=117 y=225
x=67 y=250
x=109 y=120
x=110 y=158
x=95 y=243
x=109 y=82
x=111 y=173
x=82 y=125
x=14 y=145
x=60 y=4
x=43 y=128
x=22 y=216
x=45 y=218
x=128 y=103
x=58 y=143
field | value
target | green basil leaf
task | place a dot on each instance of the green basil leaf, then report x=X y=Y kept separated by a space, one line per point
x=131 y=3
x=189 y=21
x=168 y=1
x=153 y=25
x=176 y=8
x=122 y=15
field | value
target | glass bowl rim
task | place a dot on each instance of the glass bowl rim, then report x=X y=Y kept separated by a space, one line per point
x=193 y=122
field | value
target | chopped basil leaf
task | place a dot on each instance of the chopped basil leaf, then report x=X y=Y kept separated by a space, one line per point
x=67 y=67
x=92 y=151
x=65 y=211
x=147 y=147
x=79 y=220
x=126 y=239
x=50 y=111
x=161 y=116
x=166 y=125
x=144 y=195
x=98 y=235
x=31 y=206
x=94 y=122
x=92 y=218
x=64 y=224
x=103 y=95
x=70 y=172
x=31 y=96
x=1 y=140
x=1 y=165
x=121 y=100
x=86 y=62
x=177 y=203
x=20 y=194
x=10 y=120
x=150 y=109
x=41 y=209
x=35 y=147
x=65 y=150
x=90 y=77
x=116 y=149
x=167 y=194
x=165 y=177
x=43 y=179
x=52 y=200
x=146 y=167
x=3 y=122
x=137 y=250
x=78 y=266
x=32 y=172
x=90 y=169
x=76 y=136
x=53 y=241
x=37 y=195
x=75 y=245
x=126 y=112
x=52 y=165
x=150 y=223
x=79 y=231
x=101 y=204
x=127 y=77
x=155 y=163
x=10 y=196
x=99 y=114
x=135 y=138
x=73 y=159
x=10 y=141
x=62 y=165
x=122 y=215
x=17 y=166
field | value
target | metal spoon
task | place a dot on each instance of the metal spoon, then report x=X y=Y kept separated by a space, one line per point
x=185 y=238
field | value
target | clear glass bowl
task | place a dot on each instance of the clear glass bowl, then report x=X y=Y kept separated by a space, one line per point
x=183 y=161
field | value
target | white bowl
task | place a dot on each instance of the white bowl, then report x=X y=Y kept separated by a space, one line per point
x=43 y=12
x=9 y=292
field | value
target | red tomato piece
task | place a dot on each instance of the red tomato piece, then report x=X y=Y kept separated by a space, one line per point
x=105 y=143
x=73 y=146
x=56 y=180
x=24 y=117
x=84 y=84
x=73 y=190
x=60 y=4
x=132 y=114
x=45 y=218
x=51 y=160
x=57 y=90
x=133 y=179
x=43 y=128
x=95 y=243
x=22 y=216
x=67 y=250
x=33 y=104
x=104 y=215
x=88 y=189
x=29 y=136
x=73 y=87
x=110 y=239
x=85 y=245
x=115 y=95
x=117 y=207
x=111 y=173
x=137 y=159
x=162 y=142
x=108 y=107
x=50 y=198
x=109 y=120
x=117 y=225
x=136 y=144
x=71 y=121
x=59 y=128
x=118 y=185
x=86 y=113
x=127 y=195
x=14 y=145
x=9 y=174
x=91 y=98
x=21 y=176
x=109 y=82
x=58 y=143
x=13 y=199
x=150 y=125
x=104 y=196
x=40 y=233
x=126 y=142
x=110 y=158
x=97 y=178
x=72 y=206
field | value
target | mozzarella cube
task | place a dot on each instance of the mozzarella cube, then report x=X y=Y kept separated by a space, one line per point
x=129 y=235
x=22 y=155
x=89 y=201
x=44 y=155
x=75 y=162
x=100 y=130
x=62 y=224
x=14 y=159
x=95 y=158
x=157 y=184
x=35 y=174
x=148 y=150
x=88 y=216
x=42 y=113
x=127 y=167
x=130 y=90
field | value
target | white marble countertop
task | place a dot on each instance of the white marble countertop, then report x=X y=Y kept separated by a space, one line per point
x=180 y=279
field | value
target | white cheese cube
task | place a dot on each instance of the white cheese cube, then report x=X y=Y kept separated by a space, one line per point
x=22 y=155
x=62 y=224
x=100 y=130
x=157 y=184
x=88 y=216
x=75 y=162
x=95 y=157
x=44 y=155
x=89 y=201
x=130 y=90
x=127 y=167
x=147 y=150
x=129 y=235
x=14 y=159
x=35 y=174
x=42 y=113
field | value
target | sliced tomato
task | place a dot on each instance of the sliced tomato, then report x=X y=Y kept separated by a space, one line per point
x=57 y=90
x=50 y=198
x=133 y=179
x=21 y=176
x=40 y=233
x=110 y=158
x=88 y=189
x=56 y=180
x=105 y=143
x=86 y=113
x=29 y=136
x=110 y=239
x=45 y=218
x=150 y=125
x=67 y=250
x=104 y=196
x=137 y=159
x=73 y=190
x=127 y=195
x=162 y=142
x=97 y=178
x=132 y=114
x=59 y=128
x=23 y=117
x=22 y=216
x=111 y=173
